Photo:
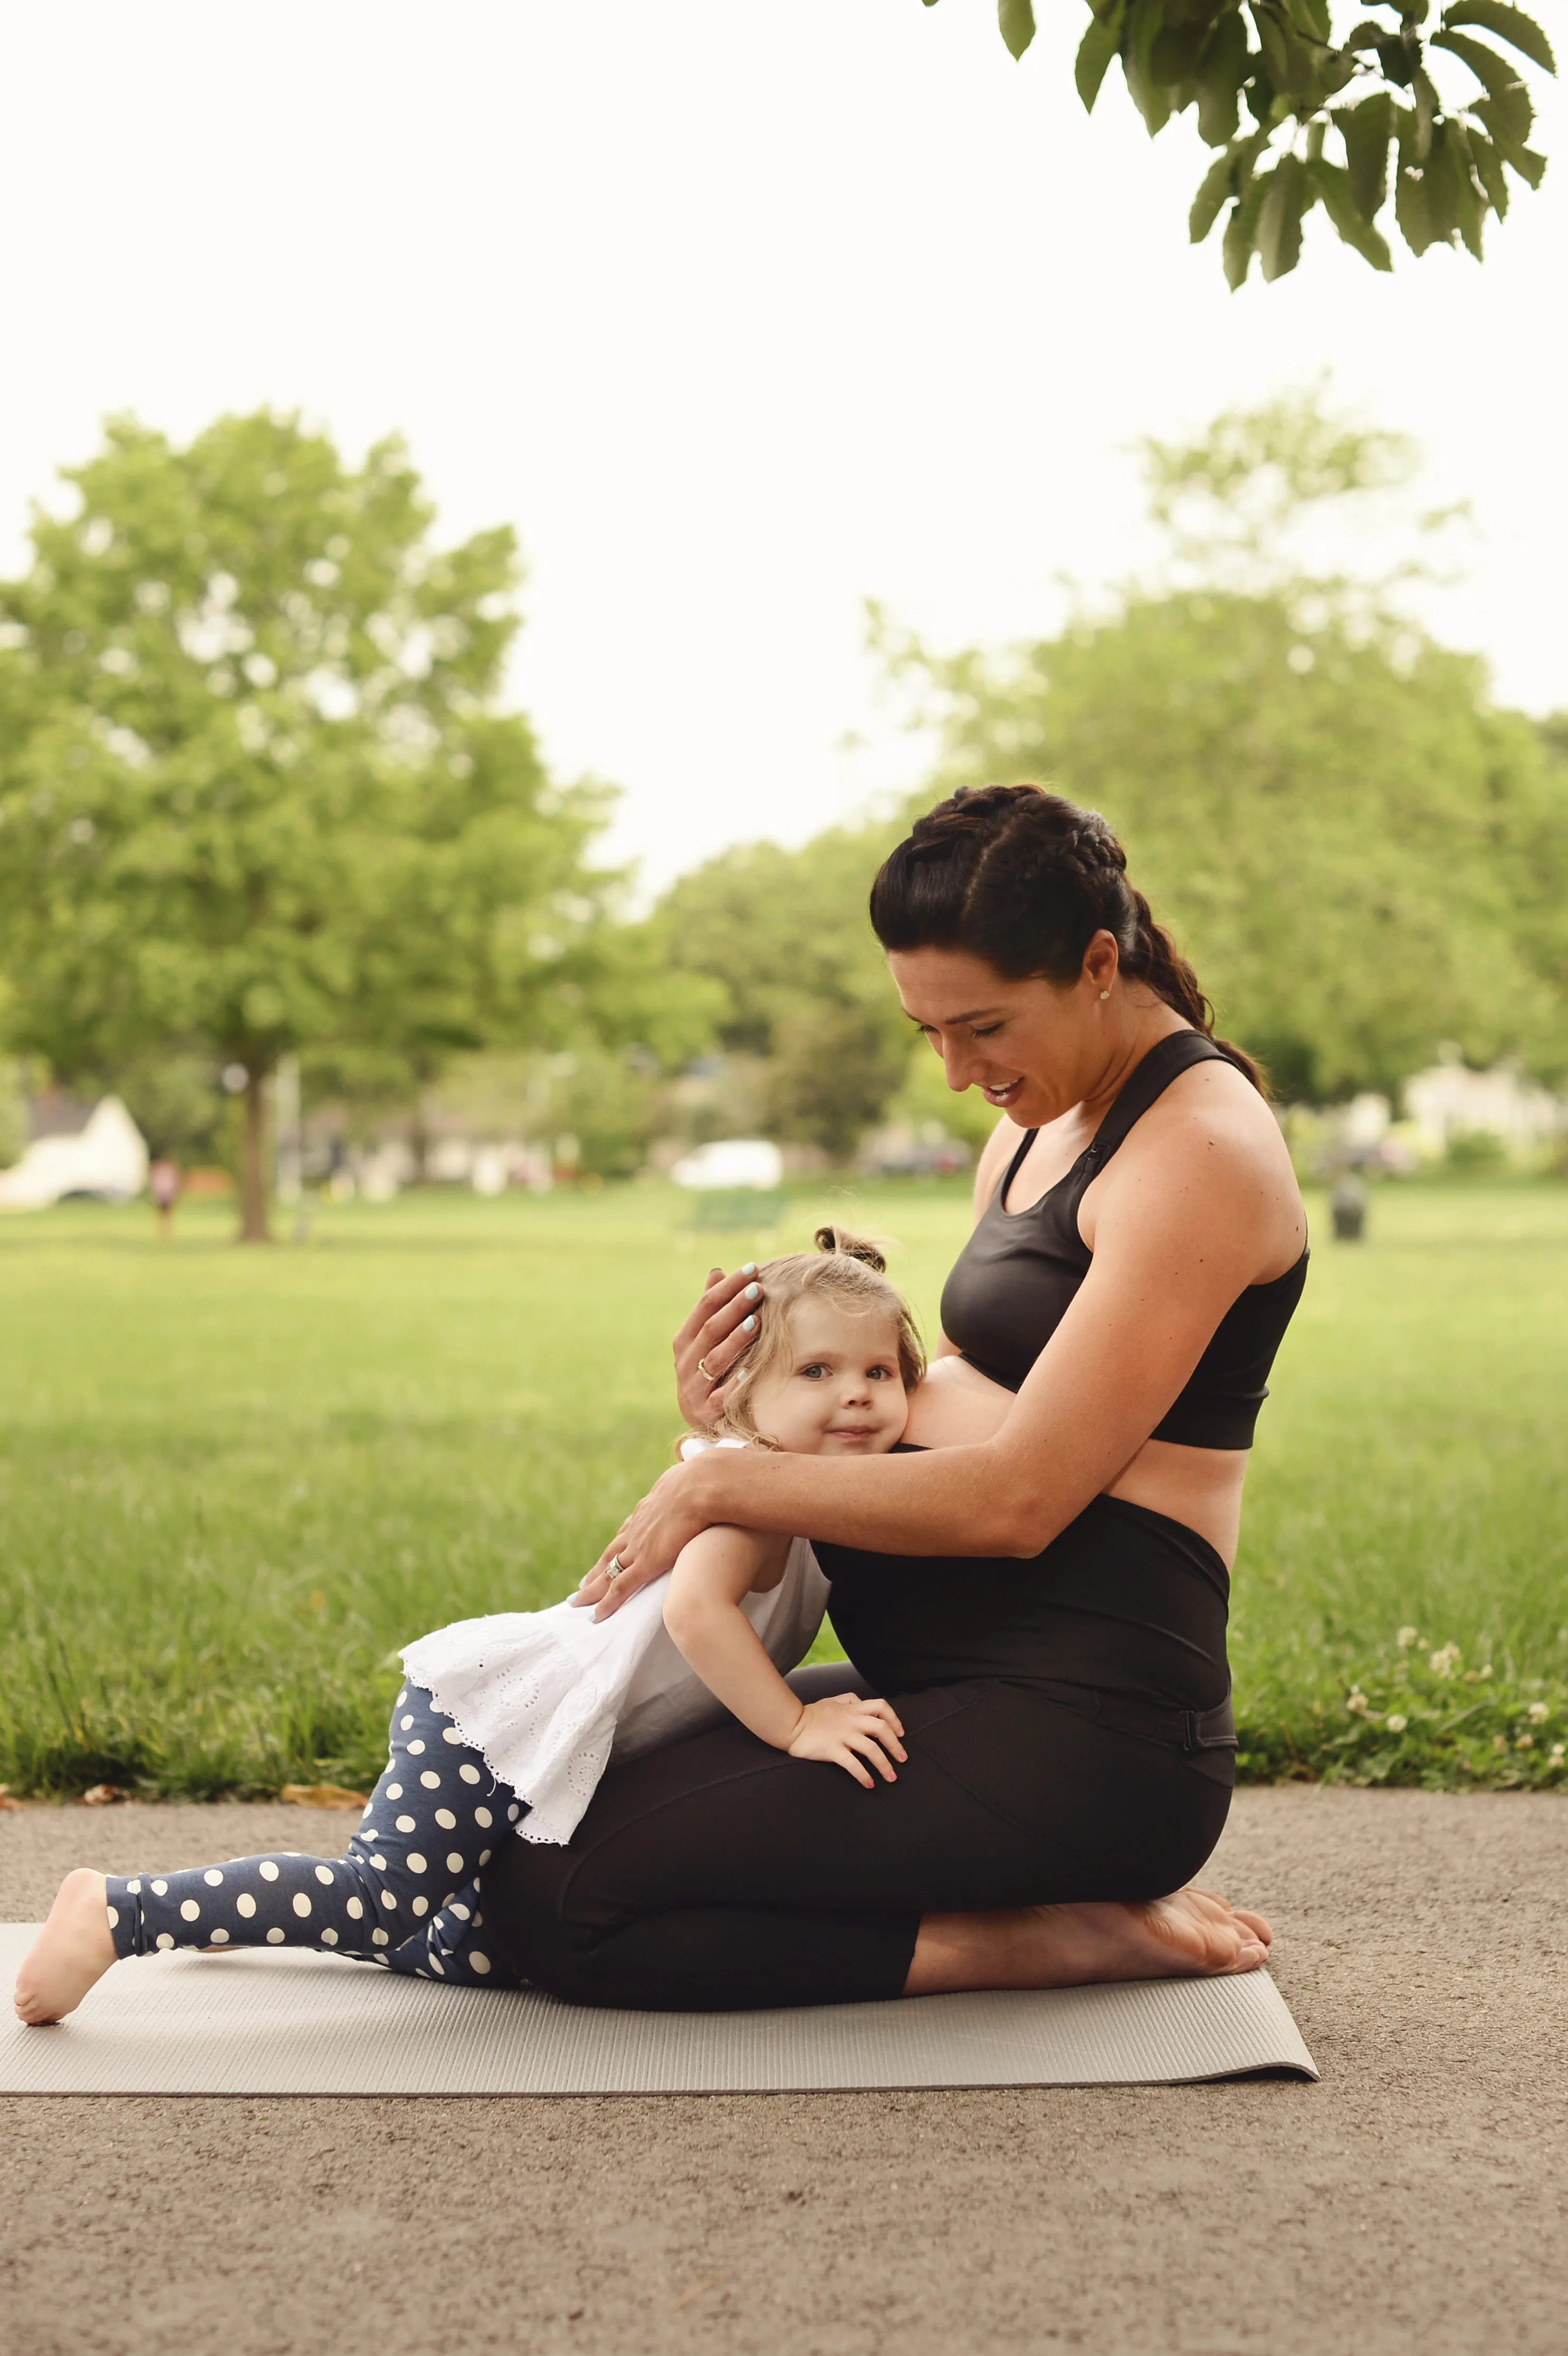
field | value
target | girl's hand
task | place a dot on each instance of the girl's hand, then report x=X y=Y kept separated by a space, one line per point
x=719 y=1328
x=845 y=1731
x=645 y=1546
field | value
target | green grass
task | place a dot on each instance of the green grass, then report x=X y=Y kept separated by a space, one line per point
x=230 y=1483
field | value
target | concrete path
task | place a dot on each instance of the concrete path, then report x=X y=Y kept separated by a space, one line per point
x=1413 y=2201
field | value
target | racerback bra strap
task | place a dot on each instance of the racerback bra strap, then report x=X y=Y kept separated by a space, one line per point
x=1164 y=1061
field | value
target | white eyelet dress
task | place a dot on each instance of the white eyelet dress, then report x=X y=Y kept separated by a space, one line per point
x=546 y=1696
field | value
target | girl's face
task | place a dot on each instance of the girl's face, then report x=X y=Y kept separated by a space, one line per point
x=839 y=1392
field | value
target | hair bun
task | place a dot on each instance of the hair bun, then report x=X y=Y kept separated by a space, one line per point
x=852 y=1246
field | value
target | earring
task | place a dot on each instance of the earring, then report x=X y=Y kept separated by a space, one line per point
x=1105 y=993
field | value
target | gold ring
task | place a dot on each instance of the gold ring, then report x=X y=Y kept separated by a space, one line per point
x=706 y=1371
x=616 y=1566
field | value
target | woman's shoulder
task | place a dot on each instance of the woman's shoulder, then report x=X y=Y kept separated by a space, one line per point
x=1210 y=1141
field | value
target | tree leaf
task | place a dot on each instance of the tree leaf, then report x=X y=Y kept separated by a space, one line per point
x=1288 y=194
x=1515 y=155
x=1365 y=36
x=1489 y=171
x=1510 y=24
x=1428 y=106
x=1367 y=130
x=1502 y=83
x=1217 y=184
x=1456 y=201
x=1100 y=44
x=1333 y=185
x=1240 y=230
x=1412 y=208
x=1016 y=18
x=1221 y=70
x=1149 y=96
x=1311 y=17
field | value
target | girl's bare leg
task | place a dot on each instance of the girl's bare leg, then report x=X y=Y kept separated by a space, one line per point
x=1193 y=1933
x=71 y=1951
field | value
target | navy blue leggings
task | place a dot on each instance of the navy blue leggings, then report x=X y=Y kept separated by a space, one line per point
x=406 y=1895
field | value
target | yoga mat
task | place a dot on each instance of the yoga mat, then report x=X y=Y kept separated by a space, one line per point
x=251 y=2024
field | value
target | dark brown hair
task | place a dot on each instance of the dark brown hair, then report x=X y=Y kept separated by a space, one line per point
x=1025 y=880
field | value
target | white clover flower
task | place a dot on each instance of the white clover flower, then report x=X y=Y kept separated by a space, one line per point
x=1446 y=1660
x=1557 y=1752
x=1538 y=1713
x=1397 y=1721
x=1356 y=1699
x=1525 y=1742
x=1407 y=1637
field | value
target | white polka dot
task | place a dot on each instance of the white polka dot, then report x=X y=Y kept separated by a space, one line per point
x=354 y=1910
x=163 y=1939
x=478 y=1918
x=394 y=1792
x=446 y=1820
x=461 y=1912
x=416 y=1863
x=275 y=1937
x=134 y=1888
x=431 y=1780
x=189 y=1911
x=301 y=1903
x=380 y=1938
x=267 y=1869
x=245 y=1904
x=389 y=1902
x=422 y=1905
x=470 y=1774
x=511 y=1813
x=221 y=1937
x=379 y=1863
x=437 y=1966
x=212 y=1877
x=483 y=1816
x=484 y=1857
x=454 y=1862
x=406 y=1722
x=407 y=1823
x=450 y=1734
x=324 y=1873
x=449 y=1897
x=160 y=1889
x=113 y=1918
x=416 y=1749
x=400 y=1700
x=480 y=1962
x=329 y=1937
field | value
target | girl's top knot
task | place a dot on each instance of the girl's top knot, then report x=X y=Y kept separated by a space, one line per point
x=851 y=1247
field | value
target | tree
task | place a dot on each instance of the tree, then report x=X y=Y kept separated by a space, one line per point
x=1362 y=855
x=1331 y=121
x=256 y=793
x=786 y=935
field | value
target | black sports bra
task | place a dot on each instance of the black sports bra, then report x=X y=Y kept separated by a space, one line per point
x=1011 y=1284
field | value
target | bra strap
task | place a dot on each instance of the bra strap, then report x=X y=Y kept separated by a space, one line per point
x=1000 y=1196
x=1164 y=1062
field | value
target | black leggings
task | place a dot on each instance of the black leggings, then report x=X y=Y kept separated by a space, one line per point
x=722 y=1875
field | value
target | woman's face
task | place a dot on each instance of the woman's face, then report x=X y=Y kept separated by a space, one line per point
x=1034 y=1048
x=838 y=1391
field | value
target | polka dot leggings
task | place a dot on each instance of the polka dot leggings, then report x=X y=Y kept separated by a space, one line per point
x=406 y=1895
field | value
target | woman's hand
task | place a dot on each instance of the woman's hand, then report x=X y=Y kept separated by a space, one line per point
x=715 y=1336
x=645 y=1546
x=843 y=1730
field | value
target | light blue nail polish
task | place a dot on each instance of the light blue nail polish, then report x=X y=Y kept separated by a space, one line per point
x=750 y=1269
x=746 y=1323
x=754 y=1292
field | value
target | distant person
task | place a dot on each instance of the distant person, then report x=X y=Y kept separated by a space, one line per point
x=163 y=1185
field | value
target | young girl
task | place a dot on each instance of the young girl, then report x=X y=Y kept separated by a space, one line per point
x=505 y=1724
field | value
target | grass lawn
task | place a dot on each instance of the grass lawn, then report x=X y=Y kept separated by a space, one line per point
x=230 y=1481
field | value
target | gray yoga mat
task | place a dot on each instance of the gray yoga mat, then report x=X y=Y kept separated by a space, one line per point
x=249 y=2023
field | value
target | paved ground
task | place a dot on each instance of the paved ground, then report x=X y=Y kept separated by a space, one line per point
x=1414 y=2201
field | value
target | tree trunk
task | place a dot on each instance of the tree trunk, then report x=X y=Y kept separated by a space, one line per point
x=253 y=1227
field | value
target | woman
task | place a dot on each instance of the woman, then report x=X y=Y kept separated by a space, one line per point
x=1044 y=1607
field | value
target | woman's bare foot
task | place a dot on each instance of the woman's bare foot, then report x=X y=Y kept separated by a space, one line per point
x=1191 y=1935
x=71 y=1951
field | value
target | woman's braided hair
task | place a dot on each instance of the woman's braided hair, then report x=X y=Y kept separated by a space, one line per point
x=1025 y=880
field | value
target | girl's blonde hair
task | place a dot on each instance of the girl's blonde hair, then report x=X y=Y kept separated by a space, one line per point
x=849 y=1272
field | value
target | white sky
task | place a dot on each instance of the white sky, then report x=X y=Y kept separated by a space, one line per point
x=740 y=315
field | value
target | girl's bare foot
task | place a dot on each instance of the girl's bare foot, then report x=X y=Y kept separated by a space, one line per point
x=71 y=1951
x=1191 y=1935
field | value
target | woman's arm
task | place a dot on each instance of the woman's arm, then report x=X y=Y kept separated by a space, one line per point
x=712 y=1635
x=1180 y=1231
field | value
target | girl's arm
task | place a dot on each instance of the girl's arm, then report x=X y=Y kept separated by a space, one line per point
x=703 y=1614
